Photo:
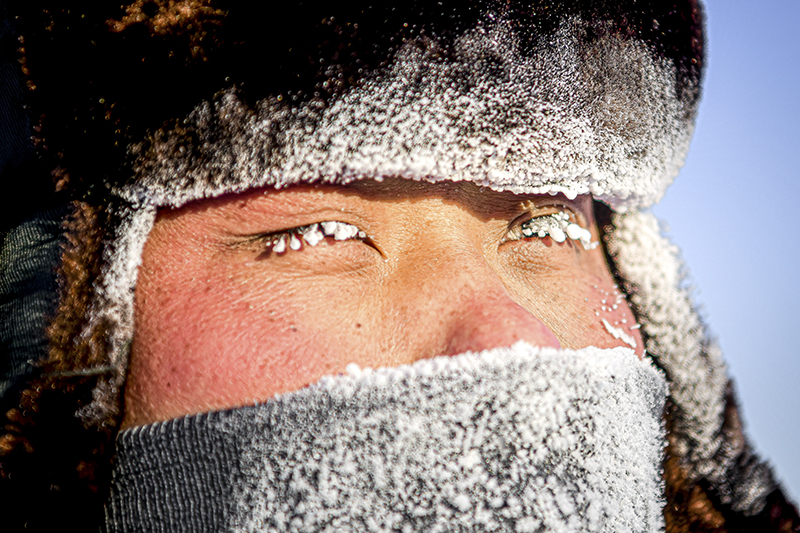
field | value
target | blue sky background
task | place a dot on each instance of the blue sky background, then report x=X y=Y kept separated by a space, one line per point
x=734 y=212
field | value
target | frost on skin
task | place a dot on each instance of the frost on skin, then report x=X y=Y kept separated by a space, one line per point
x=559 y=228
x=617 y=333
x=609 y=303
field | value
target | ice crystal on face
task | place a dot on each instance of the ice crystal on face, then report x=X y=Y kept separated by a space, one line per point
x=617 y=333
x=345 y=231
x=559 y=228
x=329 y=227
x=313 y=235
x=557 y=234
x=575 y=232
x=280 y=246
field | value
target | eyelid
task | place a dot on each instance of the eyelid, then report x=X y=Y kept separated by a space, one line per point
x=557 y=226
x=311 y=234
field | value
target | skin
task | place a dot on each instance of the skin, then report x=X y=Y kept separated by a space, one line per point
x=221 y=321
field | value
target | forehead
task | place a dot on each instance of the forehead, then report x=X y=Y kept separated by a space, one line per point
x=482 y=202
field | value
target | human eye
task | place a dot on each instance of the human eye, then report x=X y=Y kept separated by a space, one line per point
x=559 y=226
x=311 y=235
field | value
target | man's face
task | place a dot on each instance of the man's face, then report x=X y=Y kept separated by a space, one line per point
x=227 y=313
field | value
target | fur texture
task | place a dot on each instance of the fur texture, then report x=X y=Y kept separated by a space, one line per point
x=589 y=59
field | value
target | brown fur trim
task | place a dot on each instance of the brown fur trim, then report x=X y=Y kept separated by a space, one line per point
x=695 y=506
x=688 y=508
x=74 y=342
x=53 y=468
x=171 y=17
x=780 y=514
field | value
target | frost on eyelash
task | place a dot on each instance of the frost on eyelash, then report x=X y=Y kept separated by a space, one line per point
x=313 y=235
x=559 y=228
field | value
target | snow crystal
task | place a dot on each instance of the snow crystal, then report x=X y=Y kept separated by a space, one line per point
x=353 y=369
x=313 y=235
x=329 y=227
x=344 y=231
x=575 y=232
x=557 y=234
x=462 y=503
x=617 y=333
x=280 y=246
x=558 y=226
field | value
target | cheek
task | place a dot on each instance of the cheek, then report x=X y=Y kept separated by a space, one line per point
x=242 y=341
x=580 y=302
x=613 y=321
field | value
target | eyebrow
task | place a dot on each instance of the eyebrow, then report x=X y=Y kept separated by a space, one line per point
x=484 y=203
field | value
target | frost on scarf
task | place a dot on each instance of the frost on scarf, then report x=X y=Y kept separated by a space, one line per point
x=512 y=439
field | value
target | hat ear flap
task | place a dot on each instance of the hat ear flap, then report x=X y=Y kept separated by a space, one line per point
x=713 y=477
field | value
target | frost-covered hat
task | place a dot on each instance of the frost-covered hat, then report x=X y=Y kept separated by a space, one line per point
x=165 y=102
x=157 y=103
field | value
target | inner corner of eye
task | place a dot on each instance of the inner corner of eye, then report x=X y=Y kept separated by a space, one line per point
x=514 y=233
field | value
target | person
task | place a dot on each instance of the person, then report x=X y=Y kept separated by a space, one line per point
x=356 y=267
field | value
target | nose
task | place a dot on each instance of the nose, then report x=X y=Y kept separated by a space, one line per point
x=450 y=283
x=491 y=319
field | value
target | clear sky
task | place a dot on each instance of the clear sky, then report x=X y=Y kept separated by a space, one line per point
x=734 y=210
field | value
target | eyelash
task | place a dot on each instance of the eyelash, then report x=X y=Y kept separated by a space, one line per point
x=557 y=226
x=312 y=235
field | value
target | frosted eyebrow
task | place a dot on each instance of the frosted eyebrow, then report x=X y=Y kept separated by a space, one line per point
x=558 y=226
x=312 y=235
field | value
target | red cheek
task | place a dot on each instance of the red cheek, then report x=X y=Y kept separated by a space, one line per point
x=222 y=347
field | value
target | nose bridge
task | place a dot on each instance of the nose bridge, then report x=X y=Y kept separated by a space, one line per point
x=468 y=301
x=487 y=316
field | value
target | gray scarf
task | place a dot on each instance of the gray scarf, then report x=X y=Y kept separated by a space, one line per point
x=512 y=439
